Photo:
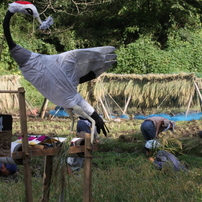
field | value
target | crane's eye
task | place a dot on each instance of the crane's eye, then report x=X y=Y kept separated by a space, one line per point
x=29 y=10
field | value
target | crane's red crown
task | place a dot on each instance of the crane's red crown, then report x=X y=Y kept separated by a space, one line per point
x=23 y=2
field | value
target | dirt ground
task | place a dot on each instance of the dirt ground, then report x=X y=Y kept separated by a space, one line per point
x=118 y=127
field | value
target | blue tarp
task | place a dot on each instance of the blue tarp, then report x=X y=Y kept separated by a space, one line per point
x=124 y=116
x=60 y=113
x=177 y=117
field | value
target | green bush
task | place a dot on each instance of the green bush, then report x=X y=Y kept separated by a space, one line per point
x=183 y=53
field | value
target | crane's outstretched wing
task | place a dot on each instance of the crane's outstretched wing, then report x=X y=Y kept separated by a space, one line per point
x=92 y=62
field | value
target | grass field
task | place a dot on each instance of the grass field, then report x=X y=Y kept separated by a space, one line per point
x=121 y=171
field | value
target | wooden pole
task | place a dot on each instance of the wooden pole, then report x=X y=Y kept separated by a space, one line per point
x=115 y=102
x=56 y=113
x=28 y=106
x=87 y=169
x=127 y=103
x=199 y=93
x=48 y=165
x=190 y=99
x=43 y=108
x=25 y=147
x=104 y=110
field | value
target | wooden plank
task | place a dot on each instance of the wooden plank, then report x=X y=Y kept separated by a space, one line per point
x=81 y=149
x=35 y=147
x=8 y=91
x=37 y=152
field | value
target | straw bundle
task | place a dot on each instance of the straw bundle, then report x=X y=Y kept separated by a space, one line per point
x=9 y=100
x=146 y=91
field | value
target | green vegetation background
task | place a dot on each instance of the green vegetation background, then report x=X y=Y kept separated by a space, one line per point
x=150 y=36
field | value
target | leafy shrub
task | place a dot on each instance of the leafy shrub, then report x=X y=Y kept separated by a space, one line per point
x=183 y=53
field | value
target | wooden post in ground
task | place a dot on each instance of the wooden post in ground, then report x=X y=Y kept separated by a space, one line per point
x=104 y=110
x=25 y=147
x=199 y=93
x=87 y=169
x=126 y=105
x=48 y=167
x=190 y=100
x=43 y=108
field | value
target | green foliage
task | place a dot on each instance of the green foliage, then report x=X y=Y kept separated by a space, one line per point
x=193 y=146
x=32 y=94
x=150 y=36
x=142 y=57
x=119 y=146
x=116 y=22
x=105 y=160
x=183 y=54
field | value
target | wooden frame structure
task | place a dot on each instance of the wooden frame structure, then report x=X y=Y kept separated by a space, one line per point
x=35 y=151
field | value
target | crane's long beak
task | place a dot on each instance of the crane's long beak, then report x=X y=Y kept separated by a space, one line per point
x=39 y=20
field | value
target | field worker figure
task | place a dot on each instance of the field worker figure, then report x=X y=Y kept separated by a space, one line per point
x=162 y=157
x=75 y=163
x=7 y=169
x=151 y=127
x=150 y=146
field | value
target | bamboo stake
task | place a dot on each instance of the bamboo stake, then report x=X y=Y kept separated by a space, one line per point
x=127 y=103
x=25 y=147
x=48 y=165
x=43 y=108
x=189 y=103
x=29 y=107
x=115 y=102
x=87 y=169
x=199 y=93
x=165 y=98
x=56 y=113
x=105 y=110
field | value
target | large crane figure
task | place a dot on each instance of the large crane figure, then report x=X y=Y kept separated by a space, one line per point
x=57 y=76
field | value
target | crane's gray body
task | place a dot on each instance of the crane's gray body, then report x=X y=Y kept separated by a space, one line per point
x=57 y=76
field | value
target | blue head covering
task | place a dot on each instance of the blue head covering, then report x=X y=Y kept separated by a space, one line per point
x=12 y=168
